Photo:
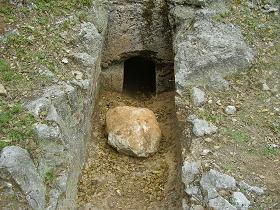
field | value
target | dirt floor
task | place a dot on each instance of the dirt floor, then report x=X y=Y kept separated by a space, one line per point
x=114 y=181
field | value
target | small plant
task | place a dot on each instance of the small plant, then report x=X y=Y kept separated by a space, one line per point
x=3 y=144
x=270 y=151
x=239 y=136
x=227 y=167
x=276 y=129
x=49 y=176
x=7 y=10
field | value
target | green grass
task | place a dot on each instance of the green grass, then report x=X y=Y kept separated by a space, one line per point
x=49 y=176
x=210 y=117
x=16 y=124
x=7 y=74
x=227 y=167
x=3 y=144
x=270 y=151
x=239 y=136
x=7 y=9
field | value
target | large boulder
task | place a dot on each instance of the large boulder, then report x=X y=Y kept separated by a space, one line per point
x=133 y=131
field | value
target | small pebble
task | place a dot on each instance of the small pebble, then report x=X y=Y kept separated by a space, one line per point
x=65 y=60
x=265 y=87
x=205 y=152
x=217 y=147
x=230 y=110
x=3 y=91
x=208 y=140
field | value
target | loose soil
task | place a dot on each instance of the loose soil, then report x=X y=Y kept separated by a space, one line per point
x=111 y=180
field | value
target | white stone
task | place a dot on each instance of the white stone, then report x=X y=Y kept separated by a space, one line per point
x=265 y=87
x=230 y=110
x=65 y=60
x=205 y=152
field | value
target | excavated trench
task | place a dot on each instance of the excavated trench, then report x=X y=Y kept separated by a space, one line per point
x=136 y=71
x=111 y=180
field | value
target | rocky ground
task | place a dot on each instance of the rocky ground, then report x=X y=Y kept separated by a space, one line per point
x=111 y=180
x=245 y=110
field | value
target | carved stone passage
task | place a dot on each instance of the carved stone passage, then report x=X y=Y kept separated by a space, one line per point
x=138 y=29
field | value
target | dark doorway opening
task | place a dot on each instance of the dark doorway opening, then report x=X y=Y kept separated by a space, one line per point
x=139 y=76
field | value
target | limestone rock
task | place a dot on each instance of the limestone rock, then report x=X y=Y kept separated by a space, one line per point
x=230 y=110
x=47 y=132
x=189 y=171
x=202 y=127
x=44 y=71
x=252 y=189
x=192 y=2
x=208 y=48
x=3 y=91
x=218 y=82
x=219 y=203
x=217 y=180
x=133 y=131
x=85 y=59
x=17 y=162
x=198 y=96
x=65 y=61
x=240 y=201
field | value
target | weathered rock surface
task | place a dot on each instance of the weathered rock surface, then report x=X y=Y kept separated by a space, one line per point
x=202 y=127
x=17 y=162
x=240 y=201
x=198 y=96
x=44 y=71
x=204 y=46
x=85 y=59
x=47 y=132
x=66 y=112
x=133 y=131
x=189 y=171
x=217 y=180
x=218 y=82
x=219 y=203
x=138 y=27
x=252 y=189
